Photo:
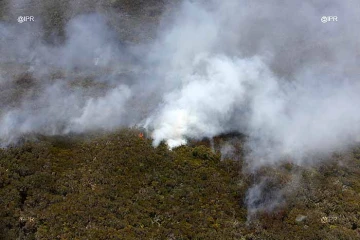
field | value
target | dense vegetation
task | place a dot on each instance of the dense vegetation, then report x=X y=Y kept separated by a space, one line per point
x=118 y=186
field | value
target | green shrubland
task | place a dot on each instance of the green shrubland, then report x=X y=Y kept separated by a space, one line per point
x=117 y=186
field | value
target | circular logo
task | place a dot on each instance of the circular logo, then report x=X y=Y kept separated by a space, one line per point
x=324 y=19
x=20 y=19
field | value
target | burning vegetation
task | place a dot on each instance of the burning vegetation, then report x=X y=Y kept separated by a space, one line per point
x=159 y=119
x=118 y=186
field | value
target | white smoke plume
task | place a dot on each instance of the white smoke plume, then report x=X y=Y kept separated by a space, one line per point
x=268 y=69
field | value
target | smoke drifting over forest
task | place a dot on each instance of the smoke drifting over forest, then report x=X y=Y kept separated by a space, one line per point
x=268 y=69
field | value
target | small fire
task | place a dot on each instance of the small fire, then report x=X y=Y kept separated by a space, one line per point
x=141 y=135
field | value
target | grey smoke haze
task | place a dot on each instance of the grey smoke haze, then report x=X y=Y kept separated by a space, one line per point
x=268 y=69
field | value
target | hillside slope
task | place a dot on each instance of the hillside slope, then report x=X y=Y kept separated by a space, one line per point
x=118 y=186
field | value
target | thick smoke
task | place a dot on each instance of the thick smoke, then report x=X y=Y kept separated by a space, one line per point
x=271 y=70
x=268 y=69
